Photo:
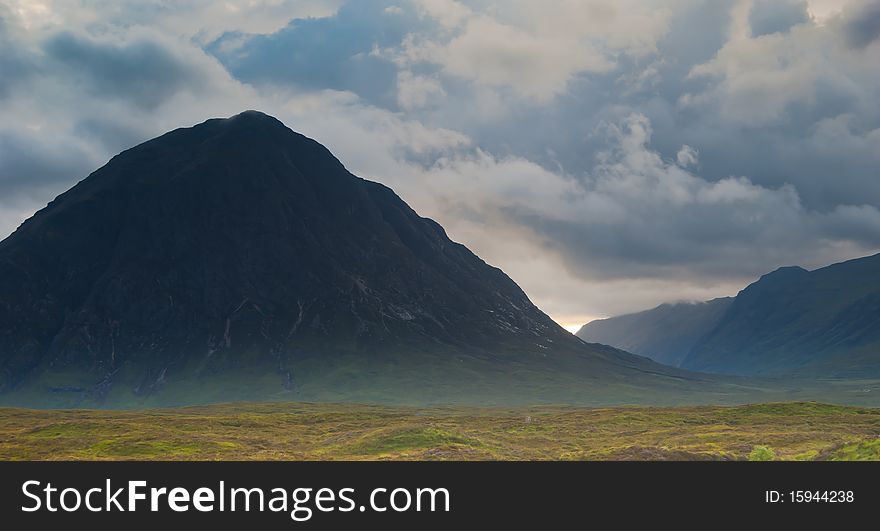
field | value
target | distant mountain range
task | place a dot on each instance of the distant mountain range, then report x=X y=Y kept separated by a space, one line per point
x=823 y=323
x=665 y=334
x=239 y=260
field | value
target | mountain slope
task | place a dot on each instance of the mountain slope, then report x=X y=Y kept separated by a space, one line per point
x=238 y=259
x=824 y=323
x=665 y=334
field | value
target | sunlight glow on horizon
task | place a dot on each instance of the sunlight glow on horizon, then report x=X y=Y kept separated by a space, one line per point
x=574 y=327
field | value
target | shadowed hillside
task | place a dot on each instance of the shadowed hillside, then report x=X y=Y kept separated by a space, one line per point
x=819 y=323
x=239 y=260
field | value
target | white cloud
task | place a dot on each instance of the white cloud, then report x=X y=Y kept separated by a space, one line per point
x=631 y=26
x=495 y=54
x=822 y=10
x=755 y=81
x=414 y=91
x=449 y=13
x=758 y=78
x=533 y=49
x=687 y=156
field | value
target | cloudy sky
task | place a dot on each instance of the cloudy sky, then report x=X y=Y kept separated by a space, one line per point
x=609 y=155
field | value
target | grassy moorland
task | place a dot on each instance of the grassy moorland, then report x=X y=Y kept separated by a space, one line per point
x=298 y=431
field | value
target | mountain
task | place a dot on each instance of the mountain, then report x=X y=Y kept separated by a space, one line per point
x=822 y=323
x=239 y=260
x=793 y=321
x=666 y=334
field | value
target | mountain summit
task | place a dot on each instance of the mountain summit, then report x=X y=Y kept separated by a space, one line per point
x=237 y=259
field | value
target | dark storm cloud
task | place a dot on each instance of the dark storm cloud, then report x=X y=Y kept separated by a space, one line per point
x=115 y=136
x=639 y=216
x=30 y=165
x=143 y=71
x=72 y=101
x=15 y=67
x=700 y=243
x=775 y=16
x=862 y=26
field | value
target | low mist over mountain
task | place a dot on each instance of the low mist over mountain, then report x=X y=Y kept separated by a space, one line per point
x=238 y=259
x=822 y=323
x=665 y=334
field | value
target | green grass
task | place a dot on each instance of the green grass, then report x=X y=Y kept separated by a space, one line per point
x=762 y=453
x=126 y=448
x=304 y=431
x=863 y=451
x=406 y=440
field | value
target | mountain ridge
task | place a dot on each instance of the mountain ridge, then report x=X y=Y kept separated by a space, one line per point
x=824 y=322
x=791 y=321
x=664 y=334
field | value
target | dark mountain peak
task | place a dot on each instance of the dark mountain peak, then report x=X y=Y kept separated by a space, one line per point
x=253 y=116
x=792 y=269
x=782 y=279
x=787 y=272
x=239 y=246
x=248 y=134
x=247 y=121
